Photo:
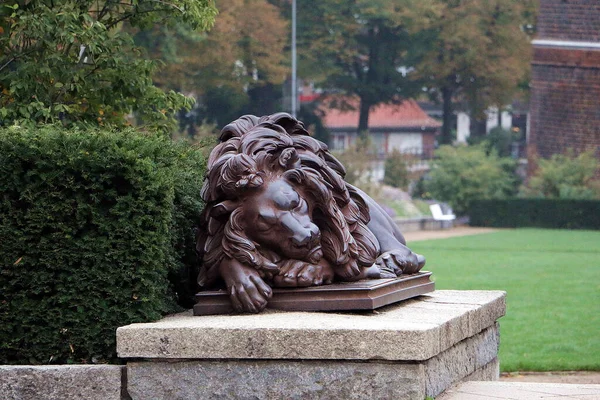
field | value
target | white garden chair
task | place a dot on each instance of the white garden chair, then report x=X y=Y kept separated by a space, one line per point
x=439 y=215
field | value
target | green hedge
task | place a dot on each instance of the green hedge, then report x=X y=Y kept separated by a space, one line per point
x=541 y=213
x=91 y=225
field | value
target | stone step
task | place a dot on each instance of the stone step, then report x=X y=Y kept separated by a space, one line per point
x=520 y=391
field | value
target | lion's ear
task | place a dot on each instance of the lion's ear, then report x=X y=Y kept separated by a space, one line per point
x=289 y=159
x=224 y=207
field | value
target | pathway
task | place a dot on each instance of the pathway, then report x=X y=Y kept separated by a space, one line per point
x=520 y=391
x=446 y=233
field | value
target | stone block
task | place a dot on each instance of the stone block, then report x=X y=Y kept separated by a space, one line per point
x=461 y=360
x=275 y=379
x=489 y=372
x=59 y=382
x=413 y=330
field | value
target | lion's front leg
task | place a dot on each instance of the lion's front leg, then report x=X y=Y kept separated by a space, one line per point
x=247 y=291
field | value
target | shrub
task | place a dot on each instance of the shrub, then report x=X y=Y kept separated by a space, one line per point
x=565 y=176
x=498 y=139
x=92 y=223
x=462 y=174
x=396 y=171
x=541 y=213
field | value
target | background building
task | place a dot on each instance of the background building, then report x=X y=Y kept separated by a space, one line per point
x=565 y=99
x=404 y=127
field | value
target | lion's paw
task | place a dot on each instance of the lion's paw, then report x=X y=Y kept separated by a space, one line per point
x=247 y=291
x=349 y=271
x=296 y=273
x=397 y=262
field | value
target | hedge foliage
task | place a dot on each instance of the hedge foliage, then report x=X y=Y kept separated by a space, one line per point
x=541 y=213
x=92 y=224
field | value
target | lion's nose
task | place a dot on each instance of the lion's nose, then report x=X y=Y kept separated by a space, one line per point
x=302 y=238
x=306 y=236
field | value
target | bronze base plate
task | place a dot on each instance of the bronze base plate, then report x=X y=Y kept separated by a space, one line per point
x=343 y=296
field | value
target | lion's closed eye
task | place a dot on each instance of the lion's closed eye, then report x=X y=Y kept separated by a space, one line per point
x=263 y=223
x=301 y=206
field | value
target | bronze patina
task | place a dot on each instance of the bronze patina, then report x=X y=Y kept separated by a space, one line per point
x=280 y=215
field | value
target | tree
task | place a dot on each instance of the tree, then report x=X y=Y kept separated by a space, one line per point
x=361 y=48
x=462 y=174
x=565 y=176
x=71 y=61
x=478 y=52
x=312 y=117
x=233 y=69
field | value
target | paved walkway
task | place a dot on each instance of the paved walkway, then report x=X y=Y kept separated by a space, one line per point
x=578 y=377
x=520 y=391
x=446 y=233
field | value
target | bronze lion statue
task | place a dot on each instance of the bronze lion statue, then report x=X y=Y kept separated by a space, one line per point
x=279 y=214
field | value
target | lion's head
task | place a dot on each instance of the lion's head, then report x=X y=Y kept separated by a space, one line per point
x=272 y=193
x=279 y=218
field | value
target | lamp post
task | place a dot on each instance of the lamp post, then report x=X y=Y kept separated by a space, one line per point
x=294 y=78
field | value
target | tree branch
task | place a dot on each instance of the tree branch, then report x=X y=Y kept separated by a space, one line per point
x=14 y=58
x=129 y=15
x=7 y=63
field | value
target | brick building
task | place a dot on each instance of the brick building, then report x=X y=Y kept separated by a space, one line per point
x=565 y=99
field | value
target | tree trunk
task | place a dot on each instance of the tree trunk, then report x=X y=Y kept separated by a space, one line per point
x=446 y=137
x=363 y=123
x=499 y=117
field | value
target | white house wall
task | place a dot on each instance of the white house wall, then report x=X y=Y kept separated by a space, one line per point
x=463 y=123
x=492 y=119
x=463 y=127
x=405 y=142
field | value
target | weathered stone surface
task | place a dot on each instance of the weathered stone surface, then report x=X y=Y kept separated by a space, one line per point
x=59 y=382
x=461 y=360
x=486 y=312
x=413 y=330
x=489 y=372
x=274 y=380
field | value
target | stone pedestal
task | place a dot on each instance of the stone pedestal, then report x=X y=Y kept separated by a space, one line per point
x=409 y=350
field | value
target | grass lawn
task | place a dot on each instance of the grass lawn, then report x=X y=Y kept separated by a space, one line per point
x=552 y=280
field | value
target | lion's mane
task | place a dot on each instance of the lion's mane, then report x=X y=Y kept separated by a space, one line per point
x=253 y=150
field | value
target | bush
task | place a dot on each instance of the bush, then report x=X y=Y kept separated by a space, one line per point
x=92 y=224
x=565 y=176
x=498 y=139
x=462 y=174
x=541 y=213
x=396 y=171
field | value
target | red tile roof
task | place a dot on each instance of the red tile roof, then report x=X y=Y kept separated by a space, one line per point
x=407 y=114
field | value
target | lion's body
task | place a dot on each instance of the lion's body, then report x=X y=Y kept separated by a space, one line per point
x=278 y=213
